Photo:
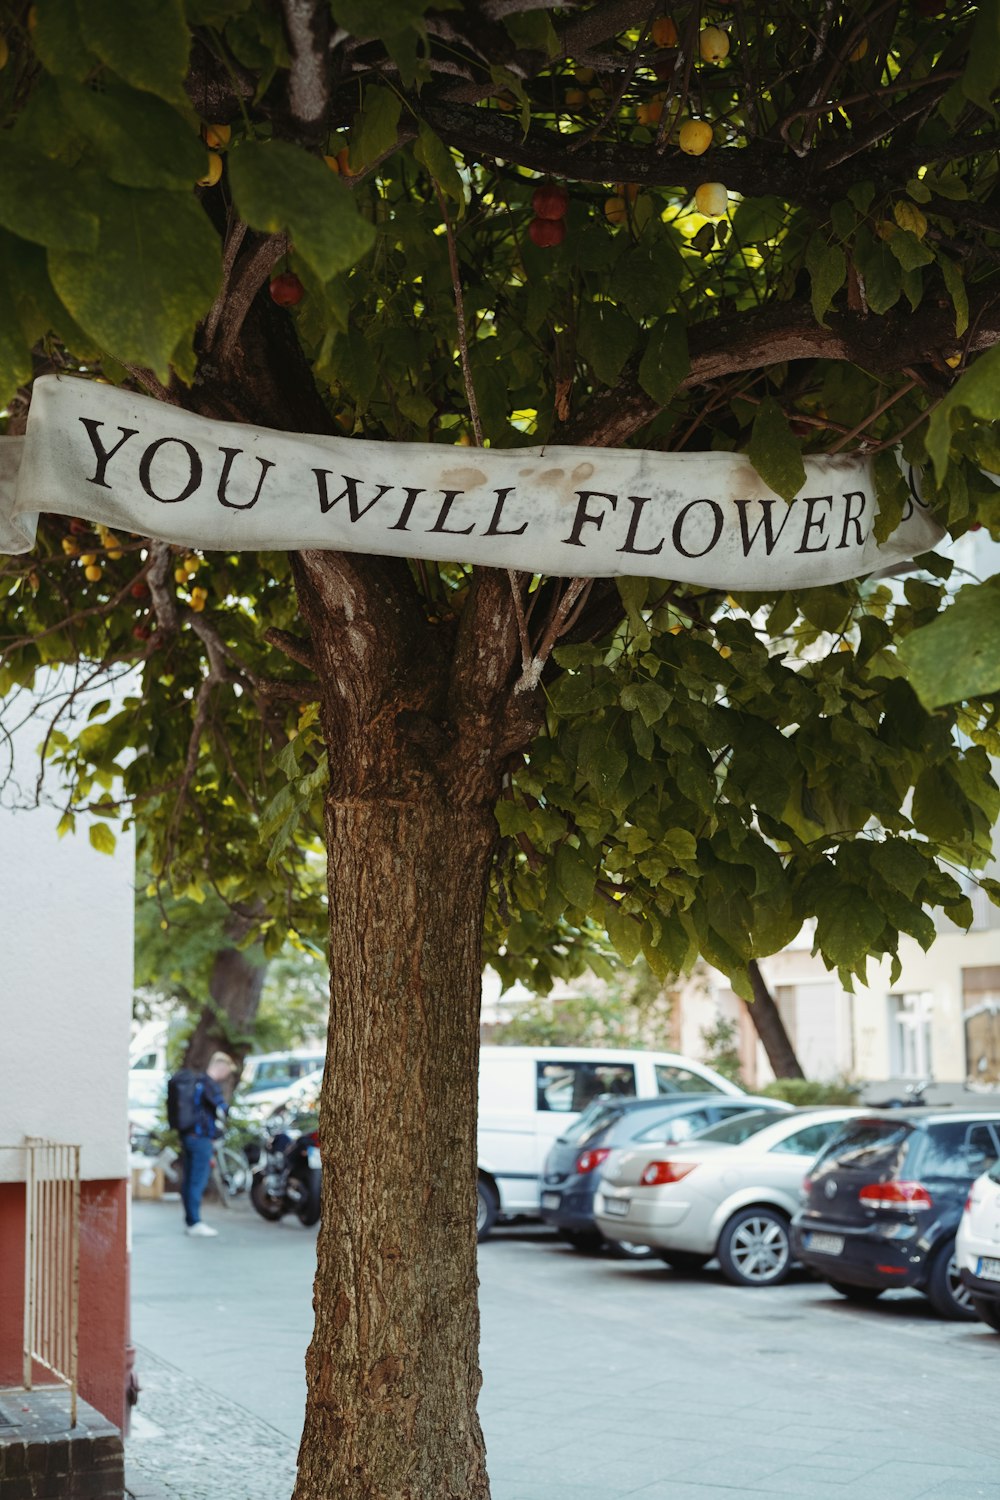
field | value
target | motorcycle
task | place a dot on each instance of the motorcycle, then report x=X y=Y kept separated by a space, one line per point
x=287 y=1175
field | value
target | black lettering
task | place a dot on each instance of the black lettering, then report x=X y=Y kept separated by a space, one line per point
x=146 y=465
x=814 y=525
x=638 y=501
x=349 y=493
x=679 y=528
x=102 y=454
x=450 y=496
x=583 y=516
x=231 y=454
x=850 y=519
x=404 y=515
x=493 y=529
x=771 y=538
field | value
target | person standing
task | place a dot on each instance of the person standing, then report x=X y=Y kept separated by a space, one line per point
x=196 y=1109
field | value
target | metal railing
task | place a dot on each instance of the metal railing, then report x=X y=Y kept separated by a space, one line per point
x=52 y=1263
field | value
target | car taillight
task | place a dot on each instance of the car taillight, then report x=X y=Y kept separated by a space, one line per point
x=807 y=1184
x=588 y=1160
x=906 y=1197
x=658 y=1172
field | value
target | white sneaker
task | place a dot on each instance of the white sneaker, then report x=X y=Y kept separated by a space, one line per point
x=203 y=1231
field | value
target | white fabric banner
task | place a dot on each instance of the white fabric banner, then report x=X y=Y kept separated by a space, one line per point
x=143 y=466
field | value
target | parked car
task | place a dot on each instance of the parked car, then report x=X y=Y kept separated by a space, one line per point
x=275 y=1070
x=731 y=1192
x=884 y=1202
x=977 y=1246
x=528 y=1095
x=572 y=1168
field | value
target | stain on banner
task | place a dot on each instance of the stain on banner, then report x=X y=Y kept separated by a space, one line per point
x=140 y=465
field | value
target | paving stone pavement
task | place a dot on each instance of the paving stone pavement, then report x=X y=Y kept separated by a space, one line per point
x=602 y=1379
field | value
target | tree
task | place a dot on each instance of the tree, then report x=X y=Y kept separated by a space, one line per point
x=694 y=772
x=634 y=1010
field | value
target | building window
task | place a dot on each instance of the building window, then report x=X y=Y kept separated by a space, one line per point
x=981 y=1015
x=910 y=1035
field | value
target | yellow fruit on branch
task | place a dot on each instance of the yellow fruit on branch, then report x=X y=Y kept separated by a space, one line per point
x=695 y=137
x=213 y=172
x=216 y=137
x=93 y=573
x=333 y=164
x=615 y=211
x=711 y=199
x=713 y=43
x=664 y=32
x=88 y=559
x=860 y=51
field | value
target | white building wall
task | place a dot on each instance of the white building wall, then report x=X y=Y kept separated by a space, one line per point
x=66 y=965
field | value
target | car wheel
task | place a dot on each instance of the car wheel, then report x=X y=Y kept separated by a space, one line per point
x=685 y=1260
x=487 y=1208
x=946 y=1291
x=588 y=1242
x=853 y=1293
x=755 y=1248
x=988 y=1310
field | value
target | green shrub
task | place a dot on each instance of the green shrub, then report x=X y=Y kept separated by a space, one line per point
x=806 y=1091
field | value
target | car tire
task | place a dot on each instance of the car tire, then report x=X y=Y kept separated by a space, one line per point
x=945 y=1290
x=860 y=1294
x=684 y=1260
x=988 y=1311
x=587 y=1242
x=629 y=1250
x=487 y=1208
x=755 y=1248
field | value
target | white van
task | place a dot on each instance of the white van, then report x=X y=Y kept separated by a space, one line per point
x=528 y=1095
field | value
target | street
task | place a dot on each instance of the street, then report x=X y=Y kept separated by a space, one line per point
x=602 y=1378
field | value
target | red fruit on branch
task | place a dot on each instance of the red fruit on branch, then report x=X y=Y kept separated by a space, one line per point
x=550 y=201
x=547 y=232
x=139 y=589
x=287 y=289
x=142 y=631
x=78 y=527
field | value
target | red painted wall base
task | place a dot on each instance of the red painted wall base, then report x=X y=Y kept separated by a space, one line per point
x=103 y=1291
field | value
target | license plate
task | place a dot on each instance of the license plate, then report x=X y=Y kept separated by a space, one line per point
x=617 y=1207
x=551 y=1200
x=988 y=1269
x=825 y=1244
x=313 y=1157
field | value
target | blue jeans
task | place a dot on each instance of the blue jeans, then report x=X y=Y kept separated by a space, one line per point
x=197 y=1152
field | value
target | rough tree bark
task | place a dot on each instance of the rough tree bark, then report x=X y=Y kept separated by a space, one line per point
x=235 y=988
x=770 y=1028
x=420 y=723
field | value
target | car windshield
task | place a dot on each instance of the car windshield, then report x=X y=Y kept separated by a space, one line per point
x=866 y=1143
x=595 y=1118
x=739 y=1128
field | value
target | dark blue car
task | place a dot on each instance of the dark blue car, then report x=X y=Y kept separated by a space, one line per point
x=572 y=1168
x=884 y=1201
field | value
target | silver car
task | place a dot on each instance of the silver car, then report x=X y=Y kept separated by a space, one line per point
x=729 y=1192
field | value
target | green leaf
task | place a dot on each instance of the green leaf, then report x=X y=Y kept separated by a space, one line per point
x=758 y=219
x=625 y=933
x=431 y=151
x=415 y=407
x=940 y=809
x=58 y=40
x=665 y=362
x=102 y=838
x=900 y=865
x=153 y=277
x=957 y=656
x=278 y=186
x=576 y=876
x=880 y=271
x=775 y=452
x=955 y=283
x=893 y=494
x=138 y=140
x=982 y=71
x=847 y=925
x=376 y=126
x=977 y=391
x=650 y=699
x=647 y=278
x=827 y=267
x=910 y=251
x=43 y=201
x=605 y=339
x=145 y=42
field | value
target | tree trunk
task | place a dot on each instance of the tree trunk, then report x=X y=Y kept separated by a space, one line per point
x=770 y=1028
x=420 y=720
x=393 y=1371
x=235 y=988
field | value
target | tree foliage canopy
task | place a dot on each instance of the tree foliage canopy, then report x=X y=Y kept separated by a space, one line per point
x=709 y=770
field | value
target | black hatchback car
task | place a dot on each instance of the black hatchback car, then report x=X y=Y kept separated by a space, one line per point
x=572 y=1168
x=884 y=1200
